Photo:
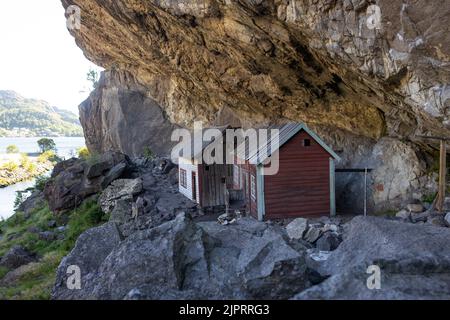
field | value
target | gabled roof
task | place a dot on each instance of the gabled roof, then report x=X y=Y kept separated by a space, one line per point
x=286 y=132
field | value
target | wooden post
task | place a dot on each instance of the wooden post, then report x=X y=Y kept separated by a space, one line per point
x=365 y=192
x=442 y=174
x=440 y=199
x=332 y=188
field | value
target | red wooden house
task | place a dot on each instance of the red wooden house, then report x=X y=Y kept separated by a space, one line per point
x=304 y=185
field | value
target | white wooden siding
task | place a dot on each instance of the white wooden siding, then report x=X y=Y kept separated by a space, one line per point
x=189 y=167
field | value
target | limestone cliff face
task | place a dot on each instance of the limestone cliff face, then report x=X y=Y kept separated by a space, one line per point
x=368 y=78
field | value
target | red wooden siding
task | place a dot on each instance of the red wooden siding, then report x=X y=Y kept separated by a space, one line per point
x=302 y=185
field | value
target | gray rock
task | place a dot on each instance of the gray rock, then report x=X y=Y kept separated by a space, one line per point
x=125 y=119
x=168 y=167
x=97 y=169
x=114 y=174
x=403 y=214
x=184 y=260
x=415 y=207
x=34 y=229
x=123 y=189
x=52 y=224
x=414 y=262
x=75 y=180
x=90 y=250
x=36 y=200
x=121 y=212
x=61 y=229
x=297 y=228
x=313 y=234
x=329 y=241
x=447 y=219
x=47 y=236
x=17 y=256
x=437 y=220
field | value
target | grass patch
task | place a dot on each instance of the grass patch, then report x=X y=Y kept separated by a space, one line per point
x=35 y=281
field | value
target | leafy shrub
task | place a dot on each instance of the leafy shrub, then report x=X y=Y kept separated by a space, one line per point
x=10 y=166
x=48 y=156
x=27 y=164
x=40 y=183
x=12 y=149
x=148 y=153
x=83 y=153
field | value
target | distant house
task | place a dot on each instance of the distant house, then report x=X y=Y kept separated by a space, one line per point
x=304 y=185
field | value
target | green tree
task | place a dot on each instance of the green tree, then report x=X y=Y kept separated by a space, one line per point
x=12 y=149
x=92 y=76
x=46 y=144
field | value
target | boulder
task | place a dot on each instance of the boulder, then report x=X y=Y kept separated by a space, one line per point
x=447 y=219
x=297 y=228
x=168 y=167
x=121 y=212
x=403 y=214
x=181 y=259
x=13 y=276
x=329 y=241
x=35 y=200
x=122 y=189
x=74 y=180
x=90 y=250
x=17 y=256
x=414 y=261
x=437 y=220
x=114 y=174
x=415 y=207
x=313 y=234
x=97 y=169
x=47 y=236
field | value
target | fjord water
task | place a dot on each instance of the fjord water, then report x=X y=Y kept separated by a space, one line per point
x=66 y=147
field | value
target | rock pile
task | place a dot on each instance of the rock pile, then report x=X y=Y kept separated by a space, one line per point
x=181 y=259
x=74 y=180
x=414 y=262
x=325 y=236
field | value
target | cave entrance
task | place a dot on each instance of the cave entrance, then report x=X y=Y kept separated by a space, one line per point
x=353 y=192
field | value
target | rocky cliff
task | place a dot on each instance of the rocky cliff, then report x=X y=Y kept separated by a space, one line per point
x=369 y=76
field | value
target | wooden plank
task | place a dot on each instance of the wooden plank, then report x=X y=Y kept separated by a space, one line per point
x=442 y=175
x=332 y=188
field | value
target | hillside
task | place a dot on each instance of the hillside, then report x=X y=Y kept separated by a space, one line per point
x=20 y=116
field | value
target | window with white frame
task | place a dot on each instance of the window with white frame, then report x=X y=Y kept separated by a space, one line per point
x=183 y=178
x=253 y=187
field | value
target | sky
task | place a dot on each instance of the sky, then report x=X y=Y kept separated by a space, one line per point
x=38 y=57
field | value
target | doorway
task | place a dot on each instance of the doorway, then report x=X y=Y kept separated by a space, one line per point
x=194 y=186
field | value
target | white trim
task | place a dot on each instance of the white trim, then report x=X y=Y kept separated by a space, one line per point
x=260 y=192
x=332 y=188
x=188 y=191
